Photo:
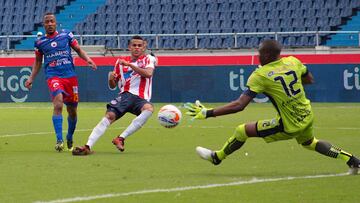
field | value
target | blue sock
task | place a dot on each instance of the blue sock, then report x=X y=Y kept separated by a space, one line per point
x=71 y=128
x=57 y=122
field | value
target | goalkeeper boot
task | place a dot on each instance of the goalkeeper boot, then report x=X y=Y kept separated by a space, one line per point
x=70 y=145
x=119 y=142
x=208 y=155
x=354 y=165
x=81 y=151
x=59 y=146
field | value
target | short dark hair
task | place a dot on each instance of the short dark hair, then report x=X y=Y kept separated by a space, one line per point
x=270 y=47
x=136 y=37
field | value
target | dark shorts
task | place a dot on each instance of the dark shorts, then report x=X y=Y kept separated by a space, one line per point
x=126 y=102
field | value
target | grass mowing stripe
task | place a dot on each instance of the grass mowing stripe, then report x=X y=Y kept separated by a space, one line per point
x=118 y=128
x=141 y=192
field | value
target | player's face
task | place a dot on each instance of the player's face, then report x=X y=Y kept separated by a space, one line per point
x=49 y=24
x=137 y=47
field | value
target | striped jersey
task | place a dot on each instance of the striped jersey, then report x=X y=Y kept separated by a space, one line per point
x=131 y=81
x=56 y=50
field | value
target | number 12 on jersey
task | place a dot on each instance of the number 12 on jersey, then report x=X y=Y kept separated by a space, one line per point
x=288 y=88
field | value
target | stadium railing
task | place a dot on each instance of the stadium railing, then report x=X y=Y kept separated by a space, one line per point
x=155 y=39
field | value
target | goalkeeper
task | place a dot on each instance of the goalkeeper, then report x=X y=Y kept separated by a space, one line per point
x=281 y=79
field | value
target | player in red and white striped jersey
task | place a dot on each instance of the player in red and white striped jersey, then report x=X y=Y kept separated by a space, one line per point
x=133 y=75
x=131 y=81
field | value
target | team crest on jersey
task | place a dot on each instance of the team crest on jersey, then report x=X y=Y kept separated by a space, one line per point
x=53 y=44
x=55 y=85
x=140 y=64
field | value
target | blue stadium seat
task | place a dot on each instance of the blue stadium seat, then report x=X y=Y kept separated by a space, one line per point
x=319 y=4
x=179 y=16
x=190 y=43
x=214 y=16
x=290 y=41
x=178 y=8
x=294 y=5
x=215 y=42
x=345 y=12
x=180 y=42
x=166 y=8
x=241 y=41
x=189 y=7
x=155 y=8
x=179 y=27
x=355 y=4
x=212 y=7
x=145 y=27
x=250 y=23
x=253 y=41
x=227 y=42
x=200 y=7
x=225 y=15
x=201 y=16
x=203 y=42
x=334 y=12
x=167 y=42
x=224 y=7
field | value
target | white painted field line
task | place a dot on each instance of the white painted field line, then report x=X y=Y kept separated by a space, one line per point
x=119 y=128
x=45 y=133
x=176 y=189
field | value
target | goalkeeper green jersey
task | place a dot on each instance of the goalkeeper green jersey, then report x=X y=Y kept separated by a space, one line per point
x=281 y=82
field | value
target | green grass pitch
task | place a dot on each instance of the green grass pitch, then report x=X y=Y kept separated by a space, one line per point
x=160 y=165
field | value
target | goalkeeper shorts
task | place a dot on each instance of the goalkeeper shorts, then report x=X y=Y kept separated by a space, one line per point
x=272 y=130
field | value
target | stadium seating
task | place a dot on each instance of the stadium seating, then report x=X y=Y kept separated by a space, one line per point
x=198 y=16
x=185 y=16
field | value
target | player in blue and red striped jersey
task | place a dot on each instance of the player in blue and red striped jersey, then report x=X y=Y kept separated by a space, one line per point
x=55 y=49
x=133 y=75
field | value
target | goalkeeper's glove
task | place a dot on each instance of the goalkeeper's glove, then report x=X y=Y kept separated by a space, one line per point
x=198 y=111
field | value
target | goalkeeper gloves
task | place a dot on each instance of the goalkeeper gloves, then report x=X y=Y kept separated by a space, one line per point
x=198 y=111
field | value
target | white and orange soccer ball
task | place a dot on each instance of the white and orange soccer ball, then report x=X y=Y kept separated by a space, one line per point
x=169 y=116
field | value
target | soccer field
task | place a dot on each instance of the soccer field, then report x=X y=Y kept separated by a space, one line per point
x=160 y=165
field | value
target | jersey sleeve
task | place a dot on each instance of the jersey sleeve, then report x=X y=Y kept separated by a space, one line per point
x=255 y=83
x=303 y=69
x=72 y=40
x=37 y=49
x=151 y=61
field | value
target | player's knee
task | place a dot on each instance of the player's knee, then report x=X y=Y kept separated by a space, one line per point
x=240 y=133
x=310 y=144
x=148 y=107
x=111 y=116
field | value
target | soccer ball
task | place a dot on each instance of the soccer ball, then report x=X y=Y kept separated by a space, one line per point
x=169 y=116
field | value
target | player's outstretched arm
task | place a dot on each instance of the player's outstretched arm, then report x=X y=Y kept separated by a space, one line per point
x=84 y=56
x=199 y=111
x=35 y=70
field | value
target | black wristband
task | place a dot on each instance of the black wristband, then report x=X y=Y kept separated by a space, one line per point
x=210 y=113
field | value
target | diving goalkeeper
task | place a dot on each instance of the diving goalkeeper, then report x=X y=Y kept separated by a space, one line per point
x=281 y=79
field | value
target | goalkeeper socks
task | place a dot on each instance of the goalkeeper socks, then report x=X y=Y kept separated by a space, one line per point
x=57 y=123
x=235 y=142
x=328 y=149
x=71 y=128
x=136 y=124
x=99 y=130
